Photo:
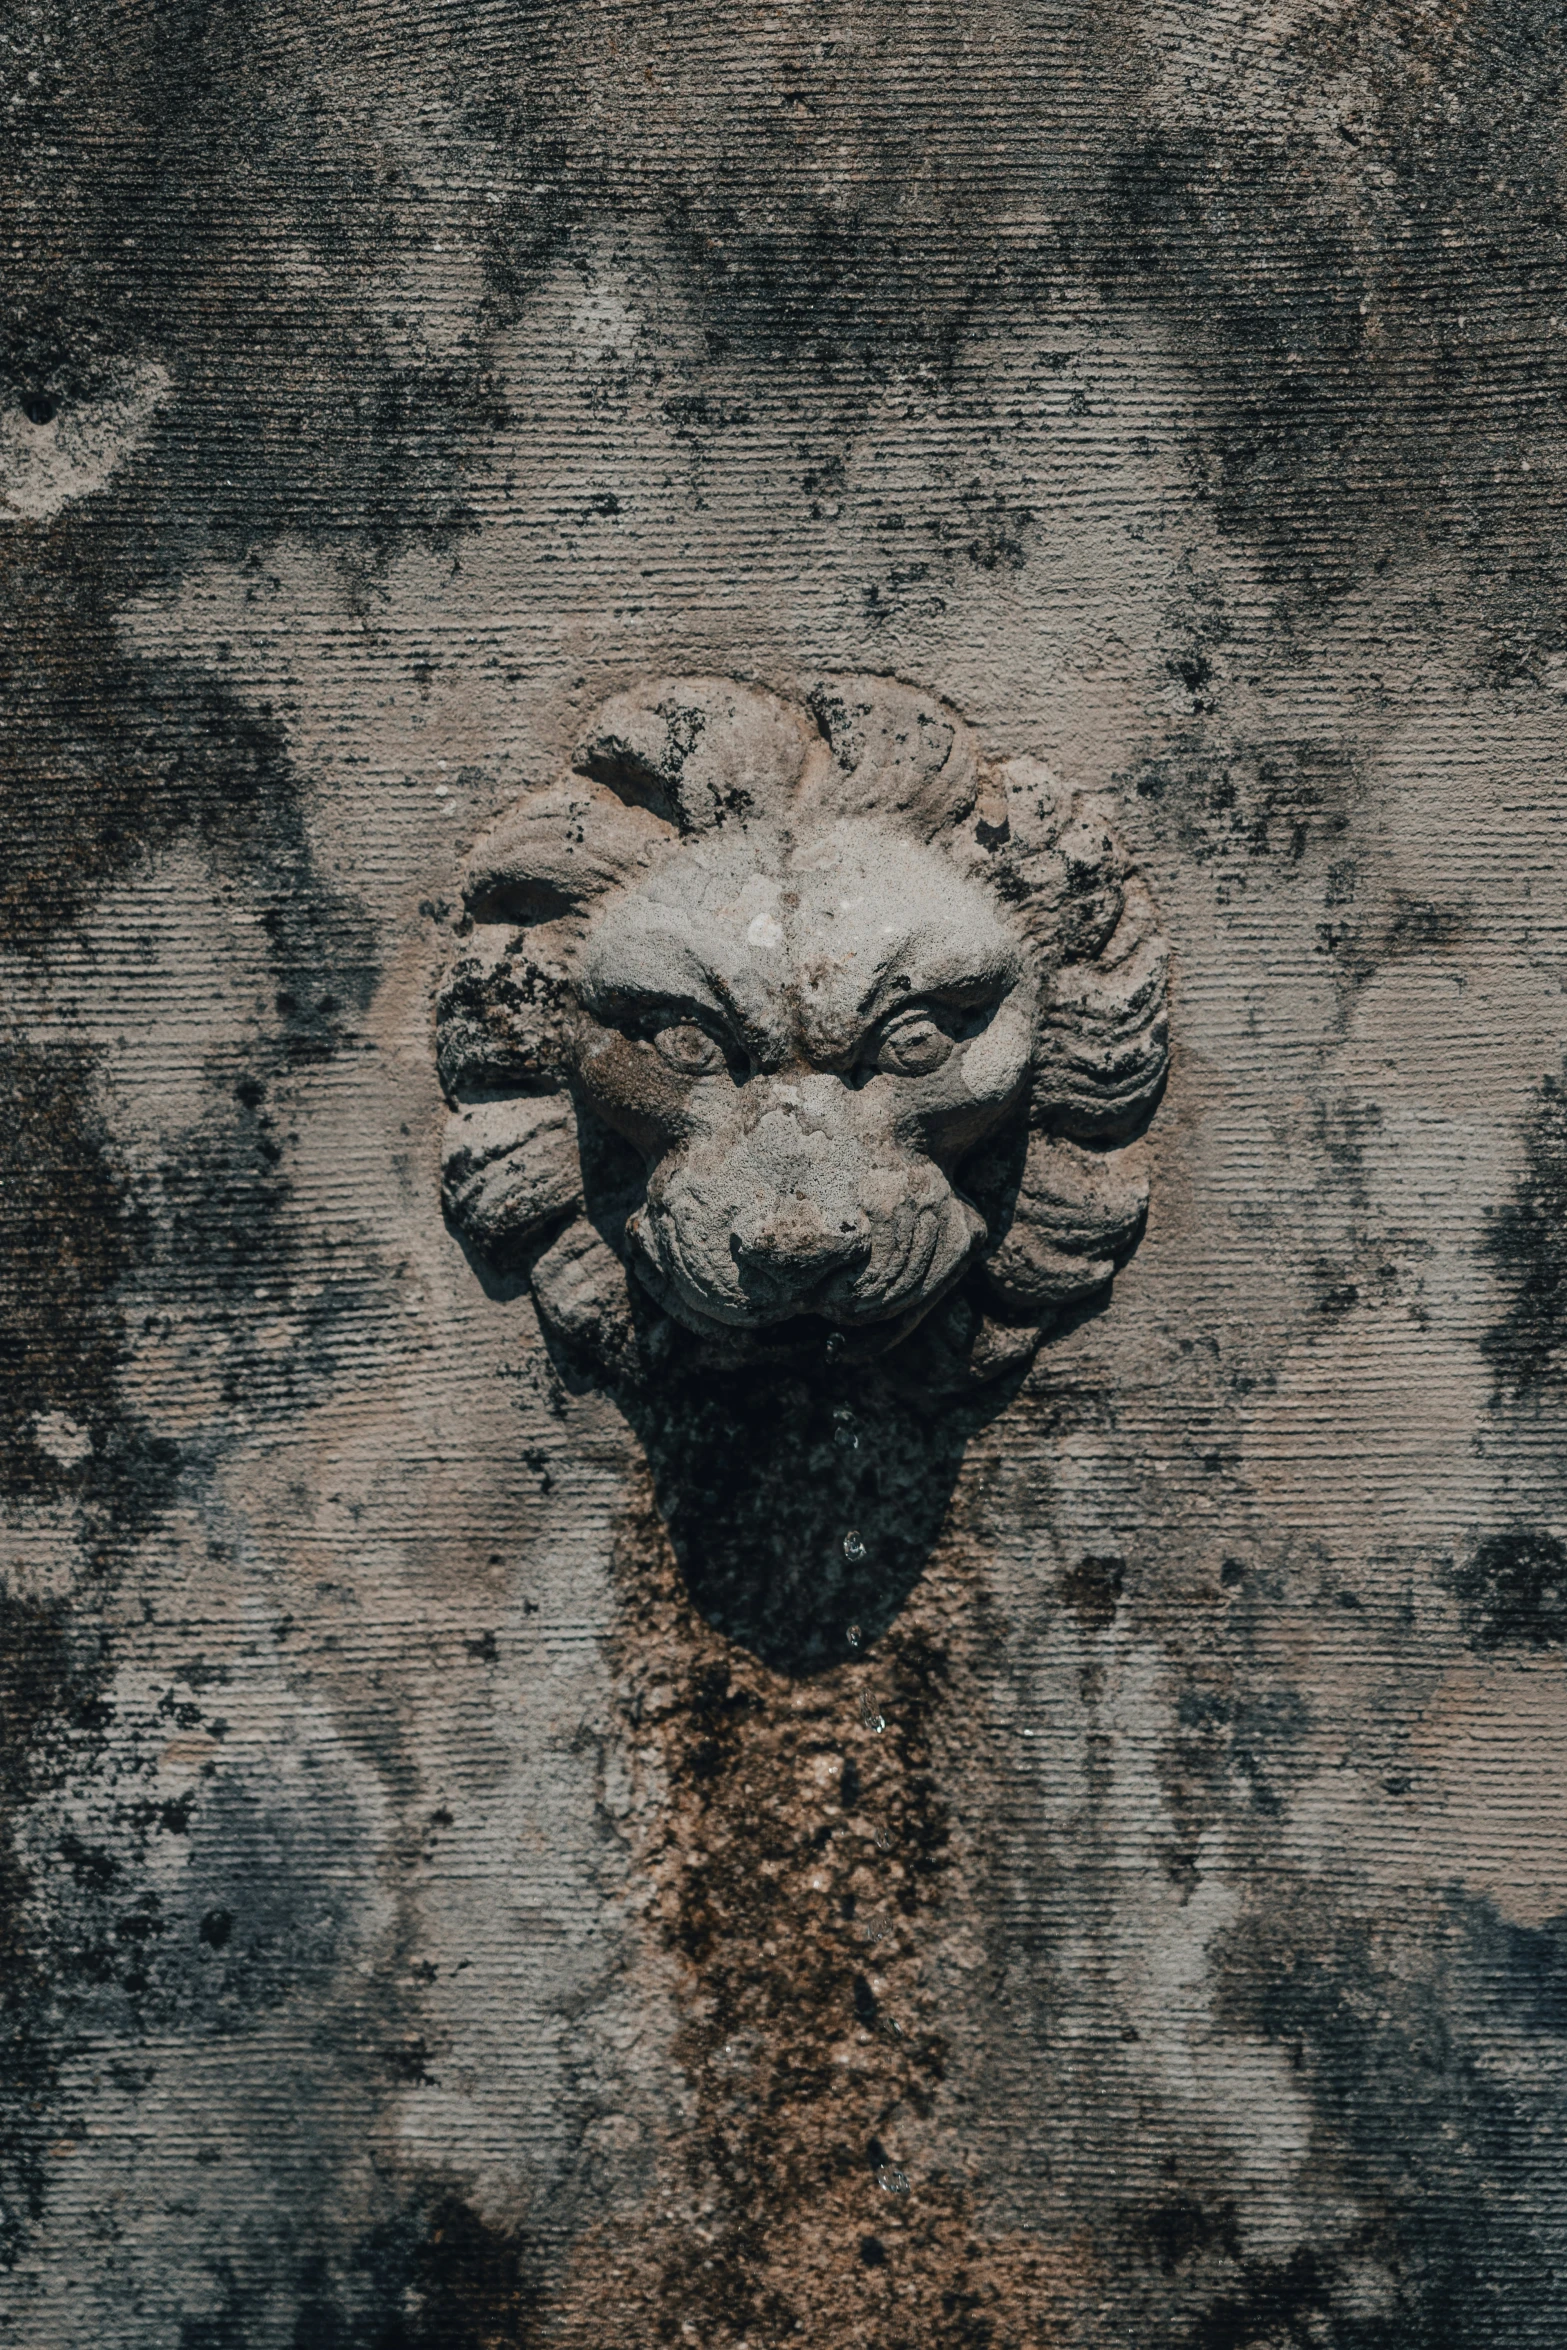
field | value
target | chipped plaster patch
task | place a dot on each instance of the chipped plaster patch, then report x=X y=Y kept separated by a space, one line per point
x=39 y=1556
x=45 y=467
x=168 y=982
x=1371 y=1432
x=1492 y=1749
x=62 y=1438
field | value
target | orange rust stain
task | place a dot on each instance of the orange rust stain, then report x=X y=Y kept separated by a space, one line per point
x=800 y=1864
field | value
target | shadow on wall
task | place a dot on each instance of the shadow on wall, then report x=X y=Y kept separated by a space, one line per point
x=798 y=1508
x=802 y=1502
x=802 y=1507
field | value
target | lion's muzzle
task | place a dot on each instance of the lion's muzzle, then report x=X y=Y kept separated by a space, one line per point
x=790 y=1247
x=804 y=1209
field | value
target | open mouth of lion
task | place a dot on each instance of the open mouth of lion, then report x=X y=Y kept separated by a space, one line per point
x=809 y=1337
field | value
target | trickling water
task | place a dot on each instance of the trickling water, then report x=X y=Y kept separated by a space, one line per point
x=871 y=1715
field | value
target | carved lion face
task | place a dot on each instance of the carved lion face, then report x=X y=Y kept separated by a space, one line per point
x=795 y=1021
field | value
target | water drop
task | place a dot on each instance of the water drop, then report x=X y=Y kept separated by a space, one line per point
x=835 y=1345
x=853 y=1547
x=892 y=2182
x=854 y=1635
x=871 y=1715
x=846 y=1429
x=883 y=1840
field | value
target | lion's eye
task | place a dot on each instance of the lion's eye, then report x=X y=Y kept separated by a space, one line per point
x=688 y=1048
x=913 y=1044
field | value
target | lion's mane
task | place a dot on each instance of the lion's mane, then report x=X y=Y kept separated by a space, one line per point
x=1063 y=1191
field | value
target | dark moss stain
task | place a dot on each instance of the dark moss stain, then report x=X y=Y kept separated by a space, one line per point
x=1193 y=1770
x=106 y=763
x=108 y=767
x=65 y=1240
x=438 y=2277
x=1180 y=2226
x=1092 y=1589
x=471 y=2287
x=1384 y=2020
x=1282 y=2304
x=1342 y=1127
x=1512 y=1589
x=103 y=761
x=1526 y=1245
x=1001 y=531
x=1288 y=803
x=1418 y=926
x=1240 y=1738
x=1363 y=327
x=50 y=1712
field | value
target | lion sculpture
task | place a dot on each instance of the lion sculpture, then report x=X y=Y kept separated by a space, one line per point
x=790 y=1025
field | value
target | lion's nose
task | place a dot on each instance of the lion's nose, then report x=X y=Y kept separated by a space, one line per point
x=793 y=1245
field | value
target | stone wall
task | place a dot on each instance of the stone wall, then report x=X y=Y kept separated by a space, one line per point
x=455 y=1892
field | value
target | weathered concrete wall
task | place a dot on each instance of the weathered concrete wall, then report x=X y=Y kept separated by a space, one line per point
x=430 y=1916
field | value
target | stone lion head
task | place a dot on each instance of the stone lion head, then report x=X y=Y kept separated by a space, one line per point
x=796 y=1024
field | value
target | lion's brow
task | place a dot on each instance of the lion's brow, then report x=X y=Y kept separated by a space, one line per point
x=649 y=964
x=957 y=972
x=676 y=974
x=744 y=1024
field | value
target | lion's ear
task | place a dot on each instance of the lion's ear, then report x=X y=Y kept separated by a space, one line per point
x=1104 y=1029
x=501 y=1014
x=696 y=750
x=897 y=753
x=1075 y=1217
x=1052 y=853
x=582 y=1294
x=1104 y=1040
x=510 y=1169
x=557 y=851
